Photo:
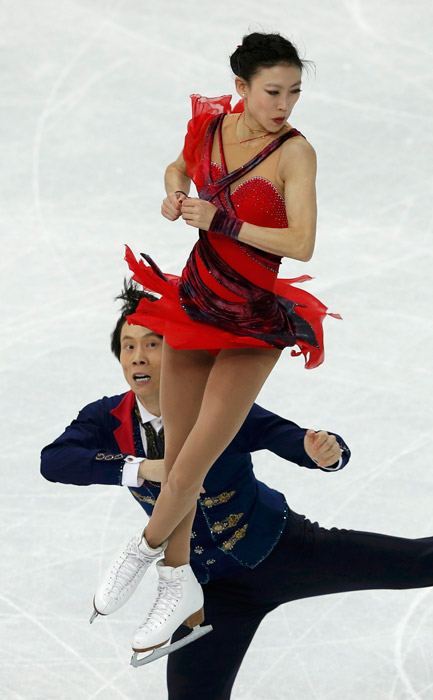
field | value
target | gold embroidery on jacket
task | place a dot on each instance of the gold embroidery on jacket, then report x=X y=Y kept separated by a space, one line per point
x=231 y=521
x=211 y=501
x=230 y=543
x=143 y=499
x=107 y=457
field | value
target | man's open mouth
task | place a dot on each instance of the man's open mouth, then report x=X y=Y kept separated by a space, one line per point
x=141 y=378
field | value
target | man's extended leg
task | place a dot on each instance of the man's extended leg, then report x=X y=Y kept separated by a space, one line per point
x=310 y=560
x=307 y=561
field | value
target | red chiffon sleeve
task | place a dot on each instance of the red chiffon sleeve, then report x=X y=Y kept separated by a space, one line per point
x=204 y=109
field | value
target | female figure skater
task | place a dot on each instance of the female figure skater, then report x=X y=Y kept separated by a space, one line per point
x=226 y=320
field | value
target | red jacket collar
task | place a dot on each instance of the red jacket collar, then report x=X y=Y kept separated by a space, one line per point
x=123 y=413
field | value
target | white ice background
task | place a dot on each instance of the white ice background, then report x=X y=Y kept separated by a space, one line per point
x=94 y=104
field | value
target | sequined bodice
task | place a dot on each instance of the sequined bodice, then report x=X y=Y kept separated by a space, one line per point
x=256 y=200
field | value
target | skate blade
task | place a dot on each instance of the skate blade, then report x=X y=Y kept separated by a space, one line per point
x=95 y=612
x=93 y=616
x=158 y=653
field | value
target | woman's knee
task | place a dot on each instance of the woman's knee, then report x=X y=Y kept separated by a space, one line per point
x=182 y=485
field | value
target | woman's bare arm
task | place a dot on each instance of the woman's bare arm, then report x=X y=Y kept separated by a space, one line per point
x=176 y=181
x=298 y=172
x=176 y=177
x=177 y=184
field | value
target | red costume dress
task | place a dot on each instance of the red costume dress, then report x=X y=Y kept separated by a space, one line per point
x=228 y=295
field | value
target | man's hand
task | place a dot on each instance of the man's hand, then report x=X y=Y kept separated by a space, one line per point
x=153 y=470
x=322 y=448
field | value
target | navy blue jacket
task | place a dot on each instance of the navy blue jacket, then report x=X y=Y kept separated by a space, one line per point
x=239 y=519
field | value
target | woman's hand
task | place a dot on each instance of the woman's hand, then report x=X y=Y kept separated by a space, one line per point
x=171 y=205
x=322 y=448
x=198 y=212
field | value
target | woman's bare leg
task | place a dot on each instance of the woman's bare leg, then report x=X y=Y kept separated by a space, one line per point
x=233 y=383
x=184 y=374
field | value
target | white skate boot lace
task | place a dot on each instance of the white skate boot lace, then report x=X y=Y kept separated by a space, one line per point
x=169 y=594
x=126 y=568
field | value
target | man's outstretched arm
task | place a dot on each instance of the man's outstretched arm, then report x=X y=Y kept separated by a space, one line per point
x=264 y=430
x=87 y=453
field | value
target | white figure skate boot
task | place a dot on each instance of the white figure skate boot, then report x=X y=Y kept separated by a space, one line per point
x=124 y=574
x=179 y=601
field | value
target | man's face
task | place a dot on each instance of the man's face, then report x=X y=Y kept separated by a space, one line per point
x=140 y=357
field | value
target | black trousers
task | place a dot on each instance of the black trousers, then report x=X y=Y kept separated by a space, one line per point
x=307 y=561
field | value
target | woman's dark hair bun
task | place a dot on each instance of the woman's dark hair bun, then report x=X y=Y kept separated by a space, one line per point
x=263 y=51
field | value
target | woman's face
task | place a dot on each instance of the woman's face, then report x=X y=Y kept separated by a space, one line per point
x=270 y=96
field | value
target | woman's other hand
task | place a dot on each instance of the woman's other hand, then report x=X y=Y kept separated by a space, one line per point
x=171 y=205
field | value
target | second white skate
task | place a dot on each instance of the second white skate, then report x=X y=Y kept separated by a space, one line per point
x=179 y=601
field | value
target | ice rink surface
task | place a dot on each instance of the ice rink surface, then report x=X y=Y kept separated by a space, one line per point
x=95 y=100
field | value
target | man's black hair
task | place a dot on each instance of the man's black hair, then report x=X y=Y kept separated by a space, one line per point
x=131 y=296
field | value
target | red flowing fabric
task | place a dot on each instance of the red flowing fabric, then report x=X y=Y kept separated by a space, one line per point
x=228 y=295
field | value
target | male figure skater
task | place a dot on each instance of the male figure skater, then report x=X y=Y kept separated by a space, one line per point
x=250 y=551
x=119 y=440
